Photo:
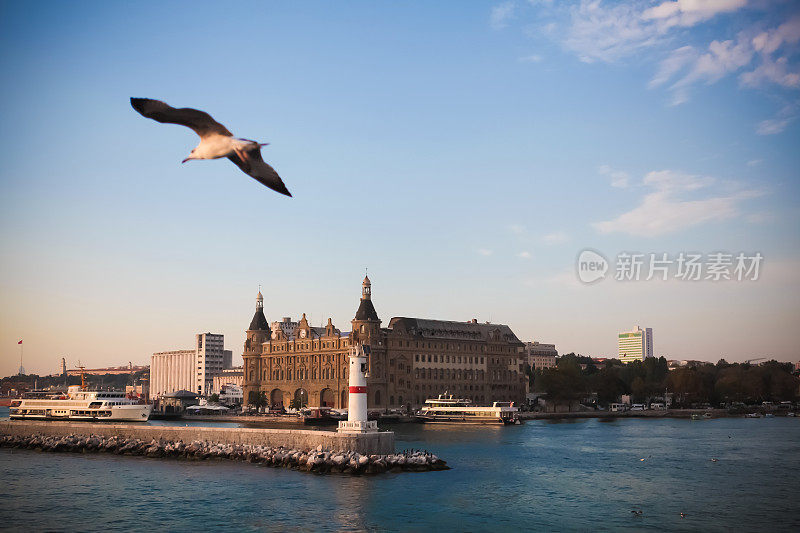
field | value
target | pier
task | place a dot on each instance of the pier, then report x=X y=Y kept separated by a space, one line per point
x=295 y=451
x=378 y=443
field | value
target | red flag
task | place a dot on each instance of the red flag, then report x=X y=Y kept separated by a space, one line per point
x=20 y=342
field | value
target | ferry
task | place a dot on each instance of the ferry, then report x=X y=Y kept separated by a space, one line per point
x=81 y=404
x=448 y=410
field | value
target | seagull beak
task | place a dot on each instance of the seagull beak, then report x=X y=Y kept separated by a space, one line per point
x=185 y=160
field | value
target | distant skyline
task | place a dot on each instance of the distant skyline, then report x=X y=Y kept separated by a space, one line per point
x=465 y=152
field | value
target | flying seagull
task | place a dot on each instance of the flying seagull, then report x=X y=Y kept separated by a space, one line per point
x=215 y=140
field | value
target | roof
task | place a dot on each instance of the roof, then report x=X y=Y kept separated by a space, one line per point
x=259 y=322
x=366 y=311
x=207 y=407
x=183 y=393
x=447 y=329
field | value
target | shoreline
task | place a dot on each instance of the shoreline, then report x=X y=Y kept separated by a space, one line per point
x=668 y=413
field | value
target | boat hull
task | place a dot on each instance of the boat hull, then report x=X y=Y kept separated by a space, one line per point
x=465 y=421
x=122 y=413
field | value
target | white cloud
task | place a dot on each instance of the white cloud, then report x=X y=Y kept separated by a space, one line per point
x=770 y=41
x=785 y=116
x=609 y=31
x=729 y=56
x=772 y=126
x=501 y=14
x=775 y=71
x=555 y=238
x=690 y=12
x=754 y=162
x=618 y=178
x=524 y=255
x=674 y=63
x=484 y=252
x=666 y=210
x=533 y=58
x=517 y=229
x=722 y=57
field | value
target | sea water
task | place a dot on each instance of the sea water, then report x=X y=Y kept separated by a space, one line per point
x=576 y=475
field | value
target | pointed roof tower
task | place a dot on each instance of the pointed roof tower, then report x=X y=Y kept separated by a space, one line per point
x=366 y=311
x=259 y=322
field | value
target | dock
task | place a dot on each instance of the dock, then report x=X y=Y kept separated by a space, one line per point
x=379 y=443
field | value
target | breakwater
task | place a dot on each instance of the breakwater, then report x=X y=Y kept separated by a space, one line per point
x=380 y=443
x=317 y=460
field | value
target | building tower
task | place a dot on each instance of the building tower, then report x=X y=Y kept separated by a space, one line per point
x=257 y=334
x=366 y=324
x=367 y=332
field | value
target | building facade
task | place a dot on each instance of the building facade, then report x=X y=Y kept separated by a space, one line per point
x=228 y=376
x=410 y=360
x=212 y=358
x=540 y=355
x=191 y=370
x=171 y=371
x=635 y=345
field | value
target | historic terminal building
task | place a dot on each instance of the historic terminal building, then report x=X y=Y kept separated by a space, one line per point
x=410 y=360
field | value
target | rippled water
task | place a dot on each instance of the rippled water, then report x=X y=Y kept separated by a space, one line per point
x=573 y=475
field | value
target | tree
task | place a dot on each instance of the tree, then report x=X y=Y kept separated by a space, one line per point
x=257 y=398
x=639 y=388
x=214 y=398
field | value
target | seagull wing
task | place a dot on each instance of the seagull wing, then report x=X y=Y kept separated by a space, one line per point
x=200 y=121
x=256 y=168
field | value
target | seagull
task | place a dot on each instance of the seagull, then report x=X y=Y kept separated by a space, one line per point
x=215 y=140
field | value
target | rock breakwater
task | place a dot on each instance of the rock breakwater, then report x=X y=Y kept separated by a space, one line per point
x=316 y=460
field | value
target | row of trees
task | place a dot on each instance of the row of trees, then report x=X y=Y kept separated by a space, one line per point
x=29 y=381
x=577 y=377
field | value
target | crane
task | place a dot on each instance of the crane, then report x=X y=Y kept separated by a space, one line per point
x=748 y=361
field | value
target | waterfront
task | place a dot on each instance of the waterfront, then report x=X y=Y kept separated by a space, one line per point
x=543 y=475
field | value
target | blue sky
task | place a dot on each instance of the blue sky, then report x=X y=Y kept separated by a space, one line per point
x=465 y=152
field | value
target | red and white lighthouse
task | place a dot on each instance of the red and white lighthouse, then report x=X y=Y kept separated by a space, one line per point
x=357 y=400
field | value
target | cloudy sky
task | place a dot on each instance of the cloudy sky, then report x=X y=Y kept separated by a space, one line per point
x=465 y=152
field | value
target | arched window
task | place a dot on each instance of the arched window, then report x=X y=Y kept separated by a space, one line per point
x=377 y=397
x=391 y=400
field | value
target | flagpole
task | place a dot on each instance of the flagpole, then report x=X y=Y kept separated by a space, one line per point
x=21 y=347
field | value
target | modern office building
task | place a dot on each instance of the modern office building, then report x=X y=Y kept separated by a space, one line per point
x=211 y=360
x=411 y=360
x=540 y=355
x=191 y=370
x=635 y=345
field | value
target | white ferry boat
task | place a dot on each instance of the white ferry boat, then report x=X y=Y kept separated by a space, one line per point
x=82 y=404
x=449 y=410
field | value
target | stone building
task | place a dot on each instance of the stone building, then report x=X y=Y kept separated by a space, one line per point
x=540 y=355
x=410 y=360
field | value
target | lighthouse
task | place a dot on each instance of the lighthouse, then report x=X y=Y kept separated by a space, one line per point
x=357 y=400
